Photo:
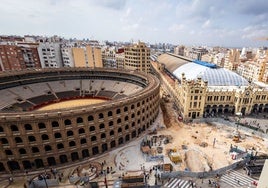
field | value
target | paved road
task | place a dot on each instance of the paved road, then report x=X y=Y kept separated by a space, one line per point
x=237 y=179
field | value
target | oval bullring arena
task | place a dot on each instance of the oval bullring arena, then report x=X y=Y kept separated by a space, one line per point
x=56 y=117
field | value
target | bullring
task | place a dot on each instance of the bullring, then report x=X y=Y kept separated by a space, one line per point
x=33 y=139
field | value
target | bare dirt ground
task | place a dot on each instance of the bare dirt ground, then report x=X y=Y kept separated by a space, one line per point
x=207 y=145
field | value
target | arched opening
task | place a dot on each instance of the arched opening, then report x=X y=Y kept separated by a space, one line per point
x=45 y=137
x=93 y=138
x=13 y=165
x=70 y=133
x=111 y=133
x=103 y=136
x=95 y=150
x=91 y=128
x=55 y=124
x=79 y=120
x=2 y=167
x=22 y=151
x=67 y=122
x=41 y=125
x=104 y=147
x=85 y=153
x=28 y=127
x=118 y=120
x=60 y=146
x=81 y=131
x=111 y=123
x=72 y=144
x=113 y=144
x=101 y=116
x=8 y=152
x=83 y=141
x=51 y=161
x=57 y=135
x=26 y=164
x=118 y=111
x=125 y=109
x=35 y=150
x=110 y=113
x=48 y=148
x=4 y=141
x=90 y=118
x=1 y=129
x=102 y=126
x=120 y=141
x=119 y=130
x=74 y=156
x=226 y=109
x=63 y=159
x=133 y=134
x=127 y=137
x=39 y=163
x=14 y=128
x=126 y=127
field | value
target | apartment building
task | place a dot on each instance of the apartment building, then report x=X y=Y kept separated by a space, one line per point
x=11 y=58
x=137 y=57
x=67 y=56
x=50 y=55
x=87 y=56
x=232 y=59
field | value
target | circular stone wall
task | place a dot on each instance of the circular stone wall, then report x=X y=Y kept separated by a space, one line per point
x=32 y=139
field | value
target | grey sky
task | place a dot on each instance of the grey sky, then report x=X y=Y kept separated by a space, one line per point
x=191 y=22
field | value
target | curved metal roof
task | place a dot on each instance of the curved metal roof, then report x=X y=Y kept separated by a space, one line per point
x=214 y=76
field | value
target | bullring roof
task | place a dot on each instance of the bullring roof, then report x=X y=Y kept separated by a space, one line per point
x=215 y=76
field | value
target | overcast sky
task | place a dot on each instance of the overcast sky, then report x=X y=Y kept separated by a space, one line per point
x=232 y=23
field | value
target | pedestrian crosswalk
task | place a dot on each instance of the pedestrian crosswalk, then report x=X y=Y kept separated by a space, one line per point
x=236 y=179
x=177 y=183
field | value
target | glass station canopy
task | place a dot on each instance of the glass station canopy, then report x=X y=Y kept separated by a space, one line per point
x=215 y=76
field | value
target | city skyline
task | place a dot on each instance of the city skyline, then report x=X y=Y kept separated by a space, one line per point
x=214 y=23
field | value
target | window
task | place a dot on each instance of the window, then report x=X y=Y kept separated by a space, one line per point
x=111 y=123
x=119 y=120
x=55 y=124
x=102 y=126
x=60 y=146
x=31 y=139
x=111 y=133
x=83 y=141
x=67 y=122
x=90 y=118
x=101 y=116
x=14 y=128
x=18 y=140
x=28 y=127
x=93 y=138
x=41 y=125
x=91 y=128
x=110 y=113
x=44 y=137
x=57 y=135
x=79 y=120
x=70 y=133
x=81 y=131
x=118 y=111
x=103 y=135
x=71 y=144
